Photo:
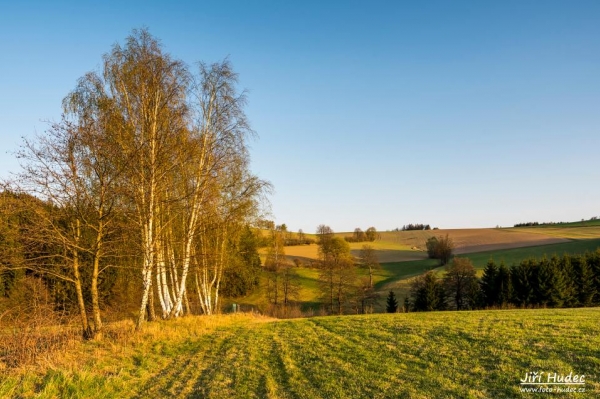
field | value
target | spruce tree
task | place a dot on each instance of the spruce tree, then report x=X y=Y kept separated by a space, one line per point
x=441 y=299
x=392 y=303
x=504 y=285
x=522 y=276
x=569 y=293
x=489 y=284
x=593 y=261
x=428 y=293
x=550 y=284
x=406 y=304
x=584 y=281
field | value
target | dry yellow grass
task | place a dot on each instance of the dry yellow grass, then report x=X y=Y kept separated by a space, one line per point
x=121 y=339
x=387 y=251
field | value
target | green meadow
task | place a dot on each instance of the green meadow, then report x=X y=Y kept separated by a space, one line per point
x=397 y=276
x=468 y=354
x=475 y=354
x=515 y=255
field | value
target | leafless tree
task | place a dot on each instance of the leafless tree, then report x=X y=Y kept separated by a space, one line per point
x=369 y=260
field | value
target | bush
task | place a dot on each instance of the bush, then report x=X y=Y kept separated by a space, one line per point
x=440 y=248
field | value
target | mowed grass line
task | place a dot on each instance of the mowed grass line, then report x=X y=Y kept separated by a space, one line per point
x=447 y=354
x=476 y=354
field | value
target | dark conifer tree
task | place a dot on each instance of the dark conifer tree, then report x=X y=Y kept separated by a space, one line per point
x=550 y=284
x=593 y=260
x=441 y=299
x=392 y=303
x=504 y=285
x=428 y=293
x=489 y=285
x=565 y=267
x=522 y=276
x=584 y=281
x=406 y=304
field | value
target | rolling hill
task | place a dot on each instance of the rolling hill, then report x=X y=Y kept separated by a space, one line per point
x=402 y=255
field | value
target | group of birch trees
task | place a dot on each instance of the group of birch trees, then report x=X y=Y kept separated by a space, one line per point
x=147 y=169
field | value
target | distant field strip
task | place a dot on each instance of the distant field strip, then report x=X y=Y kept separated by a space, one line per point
x=478 y=354
x=576 y=233
x=404 y=246
x=515 y=255
x=386 y=251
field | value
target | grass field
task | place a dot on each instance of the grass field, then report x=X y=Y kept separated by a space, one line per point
x=402 y=246
x=397 y=275
x=479 y=354
x=511 y=256
x=387 y=251
x=473 y=240
x=575 y=232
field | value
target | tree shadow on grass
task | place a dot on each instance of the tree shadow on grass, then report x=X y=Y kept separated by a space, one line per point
x=401 y=270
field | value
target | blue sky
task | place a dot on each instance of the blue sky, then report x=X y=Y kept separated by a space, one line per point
x=456 y=114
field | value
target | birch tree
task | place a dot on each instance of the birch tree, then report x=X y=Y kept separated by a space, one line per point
x=164 y=150
x=274 y=263
x=69 y=169
x=149 y=90
x=222 y=187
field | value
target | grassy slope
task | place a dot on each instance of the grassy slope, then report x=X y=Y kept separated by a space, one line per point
x=400 y=270
x=388 y=251
x=511 y=256
x=401 y=246
x=575 y=233
x=422 y=355
x=400 y=263
x=398 y=275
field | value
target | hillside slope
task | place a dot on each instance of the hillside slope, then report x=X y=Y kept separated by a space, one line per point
x=402 y=246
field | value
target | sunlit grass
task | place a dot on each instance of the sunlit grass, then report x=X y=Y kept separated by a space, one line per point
x=516 y=255
x=577 y=232
x=478 y=354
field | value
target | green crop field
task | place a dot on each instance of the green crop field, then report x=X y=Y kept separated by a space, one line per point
x=576 y=232
x=397 y=276
x=477 y=354
x=515 y=255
